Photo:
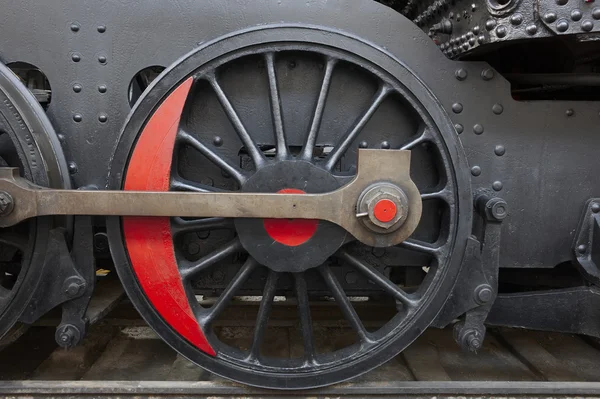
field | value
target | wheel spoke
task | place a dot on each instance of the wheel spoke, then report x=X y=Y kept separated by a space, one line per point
x=186 y=138
x=178 y=183
x=255 y=153
x=443 y=194
x=282 y=150
x=305 y=318
x=420 y=246
x=421 y=137
x=342 y=147
x=344 y=303
x=311 y=139
x=263 y=313
x=376 y=277
x=207 y=316
x=13 y=239
x=189 y=271
x=182 y=226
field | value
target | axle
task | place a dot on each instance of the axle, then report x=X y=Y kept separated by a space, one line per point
x=380 y=207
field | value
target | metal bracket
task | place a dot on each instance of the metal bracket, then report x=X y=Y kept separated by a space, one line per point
x=587 y=242
x=477 y=284
x=69 y=280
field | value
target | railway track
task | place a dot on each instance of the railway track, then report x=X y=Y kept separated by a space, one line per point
x=122 y=357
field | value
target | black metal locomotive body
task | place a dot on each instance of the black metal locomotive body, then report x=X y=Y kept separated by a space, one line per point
x=504 y=90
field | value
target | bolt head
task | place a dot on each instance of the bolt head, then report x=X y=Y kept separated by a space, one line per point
x=6 y=203
x=483 y=294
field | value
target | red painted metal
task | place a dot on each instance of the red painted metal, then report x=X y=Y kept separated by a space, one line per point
x=385 y=210
x=291 y=232
x=148 y=240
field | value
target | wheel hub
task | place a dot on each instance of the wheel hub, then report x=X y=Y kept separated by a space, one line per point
x=290 y=245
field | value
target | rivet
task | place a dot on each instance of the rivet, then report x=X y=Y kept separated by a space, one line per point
x=531 y=29
x=76 y=57
x=77 y=88
x=102 y=59
x=550 y=17
x=570 y=112
x=465 y=46
x=582 y=248
x=501 y=31
x=385 y=145
x=461 y=74
x=77 y=117
x=457 y=108
x=476 y=30
x=587 y=25
x=72 y=167
x=576 y=15
x=516 y=19
x=475 y=170
x=497 y=185
x=217 y=141
x=487 y=74
x=75 y=27
x=101 y=28
x=102 y=118
x=497 y=109
x=363 y=144
x=472 y=41
x=478 y=129
x=490 y=24
x=562 y=25
x=499 y=150
x=596 y=13
x=481 y=39
x=459 y=128
x=61 y=138
x=102 y=88
x=562 y=2
x=595 y=207
x=473 y=7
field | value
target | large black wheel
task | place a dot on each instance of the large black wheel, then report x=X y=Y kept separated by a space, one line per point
x=276 y=109
x=28 y=142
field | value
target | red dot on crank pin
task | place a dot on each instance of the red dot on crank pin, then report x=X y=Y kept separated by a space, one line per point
x=385 y=210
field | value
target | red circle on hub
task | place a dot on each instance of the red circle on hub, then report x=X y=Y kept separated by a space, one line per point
x=291 y=232
x=385 y=210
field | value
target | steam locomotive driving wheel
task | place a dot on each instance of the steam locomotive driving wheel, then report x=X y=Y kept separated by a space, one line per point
x=285 y=109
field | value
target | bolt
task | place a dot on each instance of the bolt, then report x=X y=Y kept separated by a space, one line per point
x=457 y=108
x=6 y=203
x=73 y=289
x=483 y=293
x=487 y=74
x=498 y=208
x=67 y=335
x=461 y=74
x=473 y=341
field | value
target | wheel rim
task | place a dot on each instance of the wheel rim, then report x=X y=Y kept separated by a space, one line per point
x=186 y=82
x=36 y=151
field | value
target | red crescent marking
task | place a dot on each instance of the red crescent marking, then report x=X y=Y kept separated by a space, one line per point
x=148 y=239
x=291 y=232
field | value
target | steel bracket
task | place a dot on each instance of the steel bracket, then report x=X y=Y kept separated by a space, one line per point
x=586 y=246
x=68 y=280
x=477 y=285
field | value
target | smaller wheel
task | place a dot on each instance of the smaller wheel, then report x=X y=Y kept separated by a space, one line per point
x=28 y=142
